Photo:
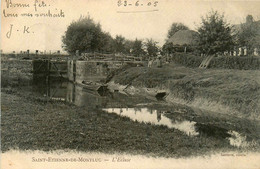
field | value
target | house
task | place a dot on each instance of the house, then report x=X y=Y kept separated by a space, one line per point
x=183 y=40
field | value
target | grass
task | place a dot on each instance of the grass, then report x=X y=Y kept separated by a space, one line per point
x=30 y=124
x=225 y=90
x=15 y=72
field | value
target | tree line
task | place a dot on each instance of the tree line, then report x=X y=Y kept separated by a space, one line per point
x=214 y=35
x=86 y=36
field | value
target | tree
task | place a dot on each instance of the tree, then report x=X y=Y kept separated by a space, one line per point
x=138 y=48
x=128 y=46
x=119 y=42
x=168 y=48
x=83 y=35
x=107 y=43
x=152 y=48
x=249 y=34
x=175 y=27
x=214 y=34
x=249 y=19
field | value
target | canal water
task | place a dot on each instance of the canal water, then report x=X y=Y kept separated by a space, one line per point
x=137 y=108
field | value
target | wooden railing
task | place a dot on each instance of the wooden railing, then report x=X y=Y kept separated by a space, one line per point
x=85 y=57
x=108 y=57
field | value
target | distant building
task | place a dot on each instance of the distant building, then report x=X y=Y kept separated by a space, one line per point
x=183 y=40
x=184 y=37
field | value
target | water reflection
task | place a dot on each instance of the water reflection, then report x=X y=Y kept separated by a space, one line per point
x=69 y=92
x=237 y=140
x=212 y=131
x=155 y=117
x=191 y=128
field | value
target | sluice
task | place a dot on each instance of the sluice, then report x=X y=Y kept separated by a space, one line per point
x=160 y=95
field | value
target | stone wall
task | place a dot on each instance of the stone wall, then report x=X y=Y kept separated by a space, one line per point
x=90 y=70
x=71 y=67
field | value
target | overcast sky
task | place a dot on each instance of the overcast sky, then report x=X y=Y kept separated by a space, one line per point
x=45 y=33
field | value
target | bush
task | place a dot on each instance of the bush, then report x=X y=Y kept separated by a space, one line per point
x=186 y=59
x=226 y=62
x=236 y=62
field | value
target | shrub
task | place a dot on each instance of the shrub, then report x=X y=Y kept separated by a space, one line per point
x=188 y=60
x=226 y=62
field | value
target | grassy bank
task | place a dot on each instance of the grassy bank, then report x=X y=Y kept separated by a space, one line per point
x=31 y=124
x=16 y=72
x=228 y=91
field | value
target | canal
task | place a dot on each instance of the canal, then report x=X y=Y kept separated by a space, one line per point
x=146 y=111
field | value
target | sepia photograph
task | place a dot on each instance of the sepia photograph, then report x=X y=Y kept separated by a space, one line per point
x=130 y=84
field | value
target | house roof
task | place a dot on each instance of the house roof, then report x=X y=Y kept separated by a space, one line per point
x=183 y=37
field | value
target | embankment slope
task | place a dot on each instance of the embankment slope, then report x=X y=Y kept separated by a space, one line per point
x=235 y=92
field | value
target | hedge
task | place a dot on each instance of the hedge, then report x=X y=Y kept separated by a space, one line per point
x=227 y=62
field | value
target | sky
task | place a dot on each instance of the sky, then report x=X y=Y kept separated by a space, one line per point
x=130 y=21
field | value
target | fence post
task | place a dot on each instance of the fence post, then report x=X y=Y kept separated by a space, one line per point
x=28 y=52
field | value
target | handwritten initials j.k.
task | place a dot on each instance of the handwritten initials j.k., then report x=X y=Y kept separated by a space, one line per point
x=9 y=33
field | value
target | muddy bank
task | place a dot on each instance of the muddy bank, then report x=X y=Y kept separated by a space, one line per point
x=231 y=92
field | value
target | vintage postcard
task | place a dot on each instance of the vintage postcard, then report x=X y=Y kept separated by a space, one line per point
x=135 y=84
